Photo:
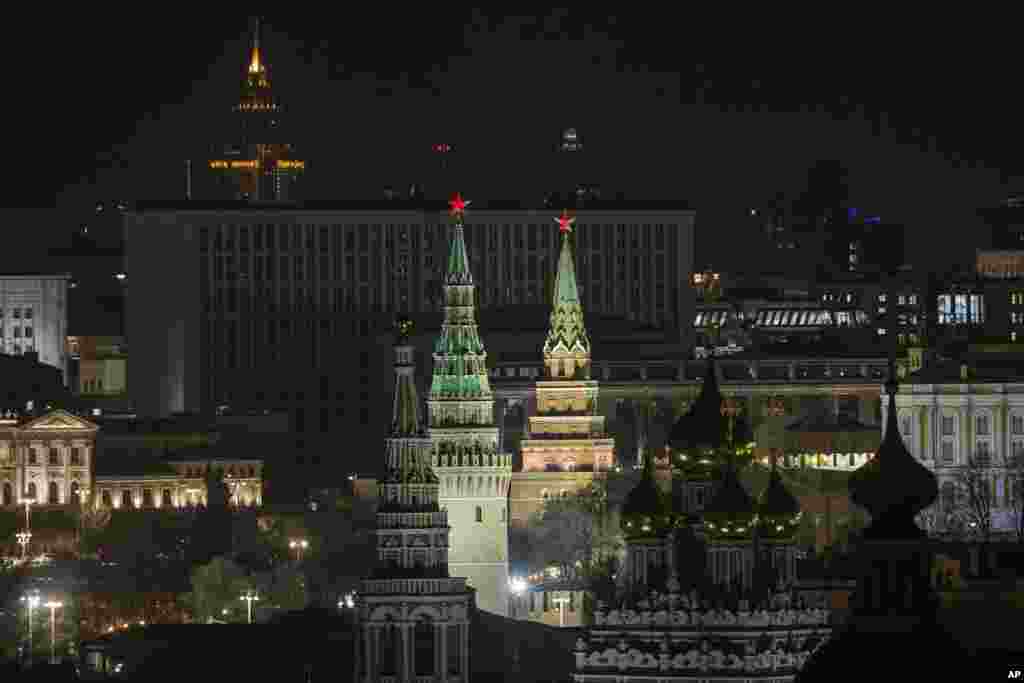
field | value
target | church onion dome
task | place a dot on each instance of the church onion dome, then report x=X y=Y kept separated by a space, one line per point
x=646 y=511
x=703 y=426
x=731 y=512
x=893 y=486
x=778 y=511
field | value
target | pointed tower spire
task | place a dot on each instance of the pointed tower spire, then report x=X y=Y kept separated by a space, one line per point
x=458 y=262
x=567 y=347
x=256 y=76
x=460 y=368
x=405 y=418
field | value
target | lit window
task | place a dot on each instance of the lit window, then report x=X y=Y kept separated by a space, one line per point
x=479 y=514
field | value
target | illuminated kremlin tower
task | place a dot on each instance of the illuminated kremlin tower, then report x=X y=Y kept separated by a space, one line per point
x=566 y=435
x=474 y=476
x=413 y=617
x=257 y=165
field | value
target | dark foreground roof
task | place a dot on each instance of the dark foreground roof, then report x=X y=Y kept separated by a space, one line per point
x=402 y=204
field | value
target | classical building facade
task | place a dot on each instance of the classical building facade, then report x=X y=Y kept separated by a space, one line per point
x=51 y=459
x=946 y=415
x=474 y=474
x=414 y=618
x=47 y=459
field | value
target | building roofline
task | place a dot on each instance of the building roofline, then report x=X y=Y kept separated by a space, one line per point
x=402 y=205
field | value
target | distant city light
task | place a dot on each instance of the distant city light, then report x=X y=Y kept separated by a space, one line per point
x=851 y=212
x=753 y=212
x=443 y=147
x=873 y=219
x=121 y=276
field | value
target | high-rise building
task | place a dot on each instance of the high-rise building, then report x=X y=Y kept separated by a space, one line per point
x=233 y=302
x=34 y=317
x=414 y=617
x=258 y=164
x=567 y=435
x=474 y=475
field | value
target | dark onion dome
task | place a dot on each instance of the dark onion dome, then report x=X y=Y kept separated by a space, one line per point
x=731 y=512
x=703 y=426
x=646 y=511
x=778 y=511
x=893 y=486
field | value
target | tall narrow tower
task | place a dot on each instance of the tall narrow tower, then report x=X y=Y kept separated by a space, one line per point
x=257 y=165
x=474 y=475
x=567 y=434
x=414 y=617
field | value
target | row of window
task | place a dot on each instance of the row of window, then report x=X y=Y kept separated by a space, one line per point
x=17 y=332
x=267 y=237
x=982 y=425
x=32 y=492
x=54 y=457
x=18 y=312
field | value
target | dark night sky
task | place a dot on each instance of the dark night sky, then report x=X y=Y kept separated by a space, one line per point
x=925 y=119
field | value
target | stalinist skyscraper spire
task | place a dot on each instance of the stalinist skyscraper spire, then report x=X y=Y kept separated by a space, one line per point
x=474 y=475
x=257 y=164
x=414 y=618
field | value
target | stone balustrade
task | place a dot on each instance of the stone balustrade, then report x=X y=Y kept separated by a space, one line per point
x=682 y=617
x=623 y=658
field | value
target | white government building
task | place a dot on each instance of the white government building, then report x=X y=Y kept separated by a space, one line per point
x=948 y=414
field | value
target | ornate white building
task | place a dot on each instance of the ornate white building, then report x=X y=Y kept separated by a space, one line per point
x=474 y=476
x=946 y=415
x=46 y=459
x=414 y=617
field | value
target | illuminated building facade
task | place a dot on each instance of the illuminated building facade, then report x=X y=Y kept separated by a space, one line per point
x=52 y=459
x=34 y=317
x=567 y=434
x=257 y=165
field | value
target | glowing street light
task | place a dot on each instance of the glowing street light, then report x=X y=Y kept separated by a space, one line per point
x=24 y=538
x=299 y=545
x=31 y=602
x=54 y=606
x=517 y=586
x=249 y=598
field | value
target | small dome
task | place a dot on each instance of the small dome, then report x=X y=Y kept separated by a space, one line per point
x=731 y=511
x=778 y=511
x=703 y=426
x=646 y=512
x=893 y=486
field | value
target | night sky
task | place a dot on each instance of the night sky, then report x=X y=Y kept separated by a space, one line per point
x=924 y=118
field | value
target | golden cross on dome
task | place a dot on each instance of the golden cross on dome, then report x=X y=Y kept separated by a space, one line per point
x=457 y=205
x=565 y=222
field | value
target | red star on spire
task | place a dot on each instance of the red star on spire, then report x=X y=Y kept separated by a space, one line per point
x=565 y=222
x=457 y=205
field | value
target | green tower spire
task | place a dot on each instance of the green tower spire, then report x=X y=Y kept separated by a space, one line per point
x=567 y=347
x=460 y=361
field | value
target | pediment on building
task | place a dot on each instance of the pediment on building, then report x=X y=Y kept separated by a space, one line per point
x=59 y=420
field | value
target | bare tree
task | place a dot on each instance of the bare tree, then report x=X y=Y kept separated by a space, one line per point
x=1014 y=469
x=974 y=491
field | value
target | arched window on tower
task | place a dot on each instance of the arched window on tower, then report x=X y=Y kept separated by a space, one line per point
x=479 y=514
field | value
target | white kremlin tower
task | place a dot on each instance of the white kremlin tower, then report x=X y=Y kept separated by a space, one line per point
x=474 y=476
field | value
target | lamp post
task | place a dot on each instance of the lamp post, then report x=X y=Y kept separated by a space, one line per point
x=54 y=606
x=24 y=538
x=299 y=545
x=31 y=602
x=249 y=598
x=28 y=517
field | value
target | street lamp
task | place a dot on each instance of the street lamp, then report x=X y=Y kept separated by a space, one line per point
x=28 y=518
x=299 y=545
x=24 y=537
x=54 y=606
x=249 y=598
x=31 y=602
